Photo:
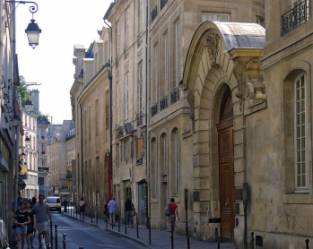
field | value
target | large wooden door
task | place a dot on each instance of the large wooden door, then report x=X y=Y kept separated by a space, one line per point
x=226 y=168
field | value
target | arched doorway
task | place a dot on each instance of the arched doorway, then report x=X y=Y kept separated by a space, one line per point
x=226 y=165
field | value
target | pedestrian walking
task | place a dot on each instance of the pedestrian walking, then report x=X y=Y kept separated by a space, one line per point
x=113 y=210
x=82 y=208
x=172 y=213
x=129 y=212
x=41 y=221
x=30 y=225
x=21 y=220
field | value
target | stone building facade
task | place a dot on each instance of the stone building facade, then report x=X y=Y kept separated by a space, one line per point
x=129 y=72
x=90 y=97
x=29 y=151
x=57 y=158
x=42 y=149
x=282 y=179
x=174 y=155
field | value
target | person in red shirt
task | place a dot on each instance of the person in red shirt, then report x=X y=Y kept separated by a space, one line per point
x=173 y=213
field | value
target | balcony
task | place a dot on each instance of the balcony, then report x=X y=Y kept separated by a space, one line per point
x=163 y=3
x=175 y=95
x=154 y=13
x=163 y=103
x=295 y=17
x=154 y=109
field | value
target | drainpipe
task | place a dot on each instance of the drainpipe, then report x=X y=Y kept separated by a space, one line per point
x=111 y=108
x=148 y=202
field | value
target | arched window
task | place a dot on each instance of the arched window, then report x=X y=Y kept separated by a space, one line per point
x=297 y=132
x=163 y=158
x=154 y=168
x=175 y=165
x=301 y=132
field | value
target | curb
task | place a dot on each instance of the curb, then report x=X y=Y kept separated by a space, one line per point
x=129 y=237
x=138 y=241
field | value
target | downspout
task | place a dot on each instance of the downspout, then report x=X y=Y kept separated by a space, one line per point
x=82 y=152
x=111 y=110
x=148 y=201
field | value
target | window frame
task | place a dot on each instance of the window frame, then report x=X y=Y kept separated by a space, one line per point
x=304 y=187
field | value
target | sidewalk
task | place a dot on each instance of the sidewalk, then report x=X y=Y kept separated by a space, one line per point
x=159 y=239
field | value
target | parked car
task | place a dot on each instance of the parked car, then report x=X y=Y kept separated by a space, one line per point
x=54 y=203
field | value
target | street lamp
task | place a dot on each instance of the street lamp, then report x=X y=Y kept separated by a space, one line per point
x=32 y=31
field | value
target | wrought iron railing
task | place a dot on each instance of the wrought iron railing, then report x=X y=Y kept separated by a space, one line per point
x=163 y=3
x=175 y=95
x=154 y=109
x=295 y=17
x=154 y=13
x=163 y=103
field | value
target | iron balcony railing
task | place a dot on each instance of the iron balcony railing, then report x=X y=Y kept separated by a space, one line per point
x=163 y=103
x=154 y=13
x=163 y=3
x=295 y=17
x=154 y=109
x=175 y=95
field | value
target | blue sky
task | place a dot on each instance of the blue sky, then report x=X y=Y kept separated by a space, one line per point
x=63 y=23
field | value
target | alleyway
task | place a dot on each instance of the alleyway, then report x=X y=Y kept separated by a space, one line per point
x=79 y=234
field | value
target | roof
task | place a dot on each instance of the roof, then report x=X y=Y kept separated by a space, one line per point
x=241 y=35
x=108 y=12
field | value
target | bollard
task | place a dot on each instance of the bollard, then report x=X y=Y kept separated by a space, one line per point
x=149 y=227
x=51 y=233
x=307 y=241
x=125 y=231
x=56 y=236
x=218 y=238
x=64 y=241
x=137 y=227
x=172 y=236
x=112 y=218
x=252 y=240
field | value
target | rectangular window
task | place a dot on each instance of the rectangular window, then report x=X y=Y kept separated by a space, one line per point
x=107 y=110
x=97 y=117
x=126 y=100
x=139 y=13
x=214 y=16
x=126 y=28
x=154 y=170
x=300 y=133
x=177 y=51
x=155 y=73
x=140 y=88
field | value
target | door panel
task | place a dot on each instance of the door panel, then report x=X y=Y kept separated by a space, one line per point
x=226 y=170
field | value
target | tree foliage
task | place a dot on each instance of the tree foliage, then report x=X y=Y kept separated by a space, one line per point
x=23 y=92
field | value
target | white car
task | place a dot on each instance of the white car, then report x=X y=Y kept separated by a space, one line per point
x=54 y=203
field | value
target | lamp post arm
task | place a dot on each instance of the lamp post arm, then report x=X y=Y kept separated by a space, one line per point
x=33 y=8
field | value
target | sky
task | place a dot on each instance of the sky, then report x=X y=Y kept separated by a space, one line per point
x=64 y=23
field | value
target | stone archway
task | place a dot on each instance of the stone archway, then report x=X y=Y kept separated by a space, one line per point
x=215 y=59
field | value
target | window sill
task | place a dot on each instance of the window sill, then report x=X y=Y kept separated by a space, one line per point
x=298 y=198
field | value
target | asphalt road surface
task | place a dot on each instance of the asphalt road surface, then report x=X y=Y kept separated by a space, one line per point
x=79 y=234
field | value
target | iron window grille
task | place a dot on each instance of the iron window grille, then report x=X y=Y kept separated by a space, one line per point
x=175 y=95
x=295 y=17
x=154 y=13
x=163 y=3
x=154 y=109
x=163 y=103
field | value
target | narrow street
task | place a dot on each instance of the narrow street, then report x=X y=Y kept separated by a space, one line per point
x=79 y=234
